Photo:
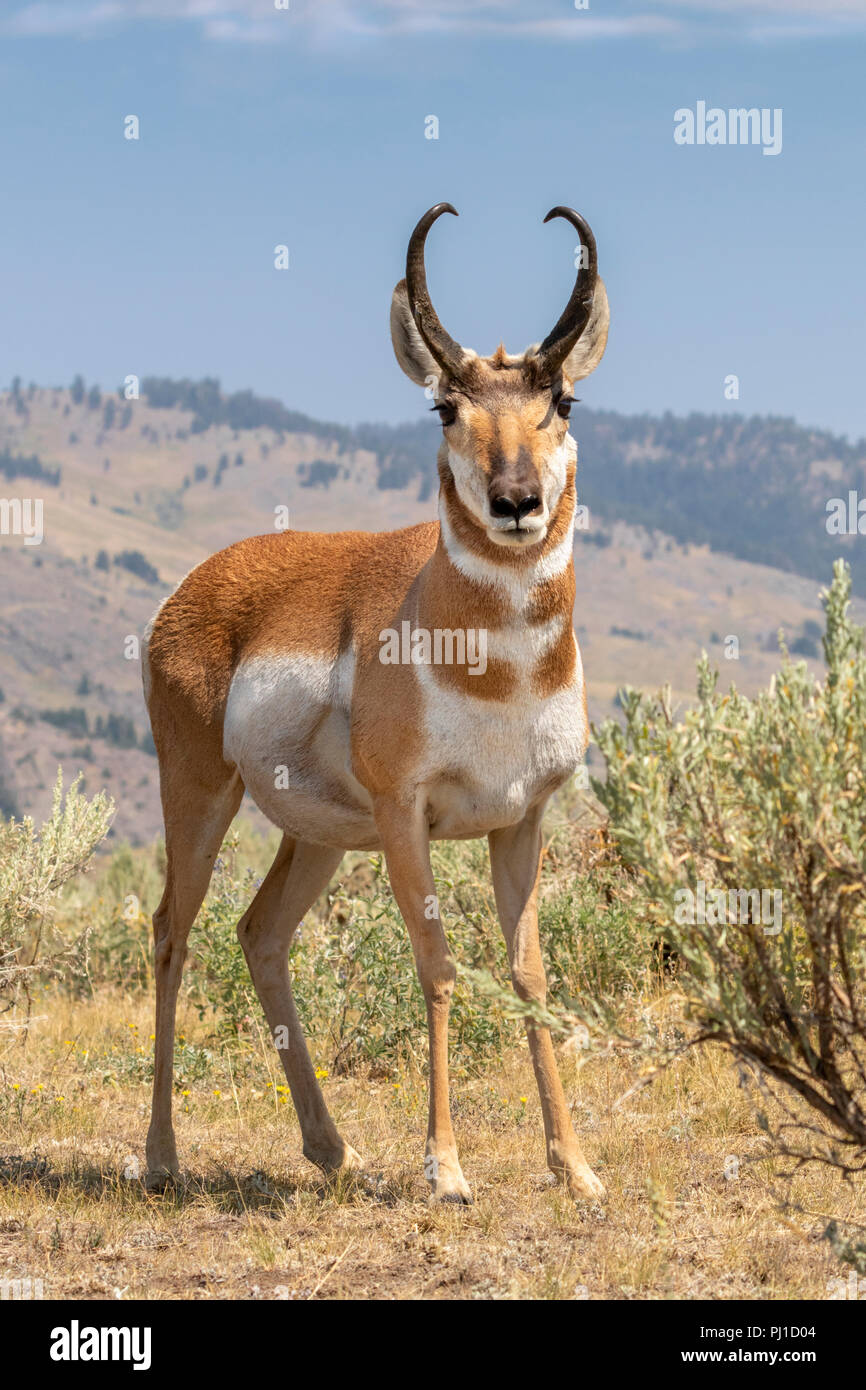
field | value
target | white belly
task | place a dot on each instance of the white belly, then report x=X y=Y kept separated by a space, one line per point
x=287 y=730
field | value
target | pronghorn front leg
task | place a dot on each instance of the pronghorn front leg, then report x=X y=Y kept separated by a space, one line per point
x=405 y=840
x=515 y=861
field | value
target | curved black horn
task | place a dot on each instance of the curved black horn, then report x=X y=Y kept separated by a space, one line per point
x=448 y=354
x=575 y=316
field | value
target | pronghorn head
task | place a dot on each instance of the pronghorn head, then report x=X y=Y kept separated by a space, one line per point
x=506 y=454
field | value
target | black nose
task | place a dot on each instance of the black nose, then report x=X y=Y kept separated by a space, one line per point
x=504 y=505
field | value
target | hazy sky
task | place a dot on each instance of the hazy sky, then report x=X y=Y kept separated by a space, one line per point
x=306 y=127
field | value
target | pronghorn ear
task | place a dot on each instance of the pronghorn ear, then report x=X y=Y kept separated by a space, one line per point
x=411 y=351
x=589 y=348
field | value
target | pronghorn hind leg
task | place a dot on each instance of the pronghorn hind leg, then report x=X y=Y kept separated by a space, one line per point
x=196 y=820
x=298 y=875
x=515 y=861
x=405 y=840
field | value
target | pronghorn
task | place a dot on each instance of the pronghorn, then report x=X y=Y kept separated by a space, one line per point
x=269 y=655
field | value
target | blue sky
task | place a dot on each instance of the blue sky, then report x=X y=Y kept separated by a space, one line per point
x=306 y=127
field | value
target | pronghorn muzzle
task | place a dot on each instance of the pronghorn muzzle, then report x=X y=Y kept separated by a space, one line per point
x=515 y=491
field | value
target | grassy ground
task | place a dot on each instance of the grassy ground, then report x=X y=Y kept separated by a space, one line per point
x=696 y=1208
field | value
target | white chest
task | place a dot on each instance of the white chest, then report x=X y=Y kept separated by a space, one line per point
x=486 y=762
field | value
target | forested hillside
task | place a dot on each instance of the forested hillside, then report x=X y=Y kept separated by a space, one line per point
x=754 y=487
x=700 y=530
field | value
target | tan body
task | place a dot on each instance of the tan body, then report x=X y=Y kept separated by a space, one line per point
x=265 y=671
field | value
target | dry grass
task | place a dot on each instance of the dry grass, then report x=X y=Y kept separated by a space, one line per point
x=251 y=1219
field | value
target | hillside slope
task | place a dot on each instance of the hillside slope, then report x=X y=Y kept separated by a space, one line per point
x=133 y=498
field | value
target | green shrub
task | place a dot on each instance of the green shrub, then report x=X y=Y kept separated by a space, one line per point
x=767 y=796
x=135 y=562
x=34 y=866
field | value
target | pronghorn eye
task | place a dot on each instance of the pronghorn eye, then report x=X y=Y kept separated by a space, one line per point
x=447 y=413
x=564 y=404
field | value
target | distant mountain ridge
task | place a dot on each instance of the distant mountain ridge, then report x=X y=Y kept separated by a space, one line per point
x=755 y=487
x=136 y=493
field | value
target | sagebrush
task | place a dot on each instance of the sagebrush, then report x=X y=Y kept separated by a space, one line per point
x=748 y=796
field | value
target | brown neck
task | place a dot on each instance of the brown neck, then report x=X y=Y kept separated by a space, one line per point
x=471 y=585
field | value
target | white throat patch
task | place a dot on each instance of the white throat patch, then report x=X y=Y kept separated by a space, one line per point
x=515 y=583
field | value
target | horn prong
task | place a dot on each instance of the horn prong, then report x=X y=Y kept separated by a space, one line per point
x=448 y=353
x=575 y=316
